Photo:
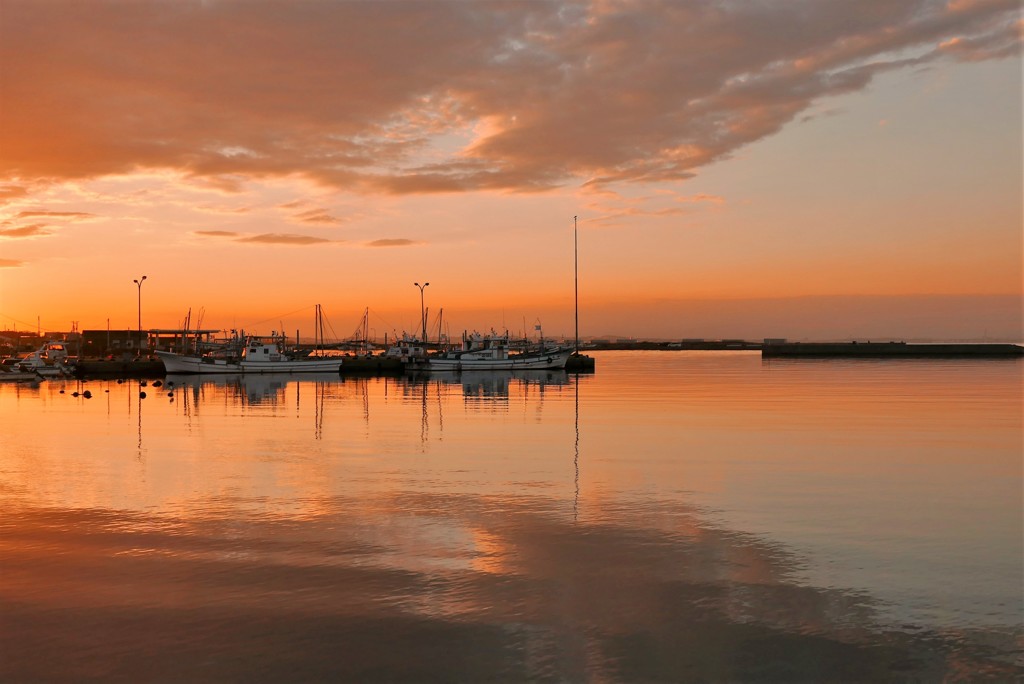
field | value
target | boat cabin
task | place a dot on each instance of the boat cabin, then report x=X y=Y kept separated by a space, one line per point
x=262 y=349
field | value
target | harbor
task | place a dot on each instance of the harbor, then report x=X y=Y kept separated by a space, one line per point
x=153 y=358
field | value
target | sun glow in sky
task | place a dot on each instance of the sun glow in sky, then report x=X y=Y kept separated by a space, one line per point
x=737 y=169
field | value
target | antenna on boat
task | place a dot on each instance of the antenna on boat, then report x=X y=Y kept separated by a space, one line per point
x=576 y=282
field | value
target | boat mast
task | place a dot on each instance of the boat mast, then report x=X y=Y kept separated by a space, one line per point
x=576 y=282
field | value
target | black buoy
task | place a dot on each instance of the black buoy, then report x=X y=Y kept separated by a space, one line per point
x=157 y=383
x=142 y=395
x=87 y=394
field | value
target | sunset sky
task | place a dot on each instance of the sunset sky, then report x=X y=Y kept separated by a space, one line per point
x=801 y=169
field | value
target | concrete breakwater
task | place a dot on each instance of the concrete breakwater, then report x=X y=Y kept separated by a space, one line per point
x=889 y=349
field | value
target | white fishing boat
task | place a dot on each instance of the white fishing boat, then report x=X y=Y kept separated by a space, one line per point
x=257 y=354
x=47 y=361
x=493 y=352
x=11 y=373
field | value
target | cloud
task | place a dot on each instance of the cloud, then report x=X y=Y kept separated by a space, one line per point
x=35 y=230
x=284 y=239
x=216 y=233
x=12 y=192
x=11 y=263
x=445 y=96
x=264 y=238
x=73 y=215
x=317 y=216
x=392 y=242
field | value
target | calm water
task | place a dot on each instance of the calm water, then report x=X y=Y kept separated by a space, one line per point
x=678 y=516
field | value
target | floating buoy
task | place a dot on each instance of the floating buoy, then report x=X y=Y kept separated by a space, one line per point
x=170 y=394
x=157 y=383
x=142 y=395
x=62 y=392
x=87 y=394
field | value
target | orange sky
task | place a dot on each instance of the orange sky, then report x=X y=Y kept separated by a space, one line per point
x=777 y=169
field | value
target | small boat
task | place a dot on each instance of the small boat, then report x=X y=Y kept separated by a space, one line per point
x=406 y=350
x=254 y=354
x=47 y=361
x=492 y=352
x=8 y=374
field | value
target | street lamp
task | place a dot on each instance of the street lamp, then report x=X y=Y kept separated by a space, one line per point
x=139 y=284
x=423 y=314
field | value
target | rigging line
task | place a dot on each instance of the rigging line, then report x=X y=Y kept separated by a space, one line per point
x=334 y=335
x=31 y=325
x=388 y=325
x=282 y=315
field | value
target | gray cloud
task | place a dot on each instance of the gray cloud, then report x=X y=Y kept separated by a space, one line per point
x=216 y=233
x=392 y=242
x=55 y=214
x=317 y=216
x=35 y=230
x=368 y=96
x=284 y=239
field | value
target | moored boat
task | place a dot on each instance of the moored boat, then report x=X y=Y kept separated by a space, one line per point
x=15 y=375
x=47 y=361
x=256 y=354
x=492 y=352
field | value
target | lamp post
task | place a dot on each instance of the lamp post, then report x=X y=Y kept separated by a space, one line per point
x=138 y=283
x=423 y=314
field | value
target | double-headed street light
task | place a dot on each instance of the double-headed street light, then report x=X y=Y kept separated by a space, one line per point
x=423 y=312
x=139 y=284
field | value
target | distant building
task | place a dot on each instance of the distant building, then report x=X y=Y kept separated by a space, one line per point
x=107 y=342
x=96 y=343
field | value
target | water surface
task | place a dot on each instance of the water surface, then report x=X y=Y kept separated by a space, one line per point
x=676 y=516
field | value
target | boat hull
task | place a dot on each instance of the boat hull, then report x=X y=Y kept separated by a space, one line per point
x=550 y=361
x=177 y=363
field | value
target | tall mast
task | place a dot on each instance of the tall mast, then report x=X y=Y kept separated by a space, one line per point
x=576 y=282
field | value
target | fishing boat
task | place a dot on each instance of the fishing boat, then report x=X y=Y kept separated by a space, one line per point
x=47 y=361
x=254 y=354
x=10 y=373
x=492 y=352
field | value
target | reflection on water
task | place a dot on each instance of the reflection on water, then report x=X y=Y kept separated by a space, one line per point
x=674 y=517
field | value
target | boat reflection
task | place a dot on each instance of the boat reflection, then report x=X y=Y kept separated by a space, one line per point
x=249 y=388
x=483 y=385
